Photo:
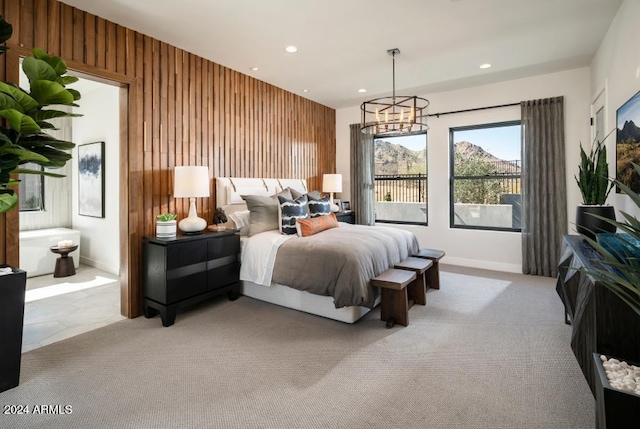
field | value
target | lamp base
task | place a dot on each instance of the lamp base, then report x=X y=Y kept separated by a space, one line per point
x=192 y=225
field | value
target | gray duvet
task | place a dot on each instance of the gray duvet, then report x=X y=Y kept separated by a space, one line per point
x=339 y=262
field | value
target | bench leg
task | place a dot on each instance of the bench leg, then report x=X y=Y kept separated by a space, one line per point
x=394 y=307
x=433 y=276
x=417 y=290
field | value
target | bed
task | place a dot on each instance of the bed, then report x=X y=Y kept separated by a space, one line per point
x=292 y=271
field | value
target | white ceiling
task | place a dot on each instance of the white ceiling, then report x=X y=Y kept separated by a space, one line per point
x=342 y=43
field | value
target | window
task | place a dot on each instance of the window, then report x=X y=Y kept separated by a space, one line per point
x=401 y=179
x=31 y=189
x=486 y=164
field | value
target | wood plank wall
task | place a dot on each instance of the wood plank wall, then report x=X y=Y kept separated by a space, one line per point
x=180 y=110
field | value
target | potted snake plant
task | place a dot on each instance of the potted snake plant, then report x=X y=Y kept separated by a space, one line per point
x=594 y=184
x=24 y=118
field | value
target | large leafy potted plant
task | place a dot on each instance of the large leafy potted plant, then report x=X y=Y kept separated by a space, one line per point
x=617 y=392
x=24 y=118
x=593 y=181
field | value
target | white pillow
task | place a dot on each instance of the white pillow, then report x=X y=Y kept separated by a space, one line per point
x=241 y=220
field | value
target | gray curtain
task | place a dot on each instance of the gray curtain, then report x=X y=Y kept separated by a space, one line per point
x=362 y=176
x=544 y=190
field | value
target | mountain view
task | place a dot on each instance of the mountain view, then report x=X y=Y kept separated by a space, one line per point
x=627 y=152
x=391 y=159
x=630 y=133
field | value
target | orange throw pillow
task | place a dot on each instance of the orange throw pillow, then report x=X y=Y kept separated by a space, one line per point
x=307 y=227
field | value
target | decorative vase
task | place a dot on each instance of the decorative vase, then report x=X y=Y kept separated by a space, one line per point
x=615 y=409
x=166 y=228
x=590 y=225
x=12 y=295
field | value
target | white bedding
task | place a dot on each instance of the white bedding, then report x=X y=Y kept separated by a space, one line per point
x=258 y=256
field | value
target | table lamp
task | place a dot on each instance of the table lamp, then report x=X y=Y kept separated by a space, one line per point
x=332 y=183
x=191 y=182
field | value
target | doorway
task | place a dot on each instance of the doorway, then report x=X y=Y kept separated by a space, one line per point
x=60 y=307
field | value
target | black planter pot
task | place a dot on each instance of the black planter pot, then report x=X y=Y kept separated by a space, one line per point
x=12 y=295
x=589 y=225
x=615 y=409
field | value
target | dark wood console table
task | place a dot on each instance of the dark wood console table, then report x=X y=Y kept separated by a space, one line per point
x=601 y=322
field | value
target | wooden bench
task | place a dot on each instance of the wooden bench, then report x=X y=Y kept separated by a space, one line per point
x=417 y=289
x=394 y=305
x=433 y=273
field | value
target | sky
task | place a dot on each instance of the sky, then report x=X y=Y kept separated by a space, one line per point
x=501 y=142
x=630 y=110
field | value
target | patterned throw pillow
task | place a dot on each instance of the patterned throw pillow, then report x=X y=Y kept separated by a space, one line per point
x=307 y=227
x=290 y=211
x=319 y=206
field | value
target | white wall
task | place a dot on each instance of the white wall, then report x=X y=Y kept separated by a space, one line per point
x=616 y=65
x=483 y=249
x=100 y=242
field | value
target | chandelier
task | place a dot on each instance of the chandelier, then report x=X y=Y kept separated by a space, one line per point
x=395 y=115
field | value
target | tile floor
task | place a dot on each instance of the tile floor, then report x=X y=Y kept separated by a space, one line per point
x=59 y=308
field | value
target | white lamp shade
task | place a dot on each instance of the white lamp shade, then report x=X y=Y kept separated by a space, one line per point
x=191 y=182
x=332 y=183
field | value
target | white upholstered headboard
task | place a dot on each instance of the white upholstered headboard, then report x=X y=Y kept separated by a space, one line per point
x=229 y=189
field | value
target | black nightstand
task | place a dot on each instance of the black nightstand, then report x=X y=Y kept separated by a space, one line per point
x=348 y=217
x=180 y=271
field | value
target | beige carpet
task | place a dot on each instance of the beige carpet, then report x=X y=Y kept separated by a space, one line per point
x=490 y=350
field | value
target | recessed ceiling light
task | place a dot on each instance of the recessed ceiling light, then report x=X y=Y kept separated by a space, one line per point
x=485 y=66
x=362 y=90
x=291 y=49
x=255 y=68
x=305 y=90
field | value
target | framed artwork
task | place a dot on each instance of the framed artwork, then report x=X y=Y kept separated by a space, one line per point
x=338 y=203
x=346 y=206
x=91 y=179
x=628 y=142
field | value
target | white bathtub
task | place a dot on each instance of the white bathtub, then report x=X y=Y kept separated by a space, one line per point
x=36 y=257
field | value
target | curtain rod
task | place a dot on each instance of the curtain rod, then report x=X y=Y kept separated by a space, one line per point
x=473 y=110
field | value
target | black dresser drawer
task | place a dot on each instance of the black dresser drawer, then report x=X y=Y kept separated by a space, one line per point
x=180 y=271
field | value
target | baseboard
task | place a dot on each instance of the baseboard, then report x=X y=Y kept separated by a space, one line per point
x=487 y=265
x=99 y=265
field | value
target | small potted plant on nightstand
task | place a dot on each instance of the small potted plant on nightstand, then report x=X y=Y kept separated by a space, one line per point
x=166 y=225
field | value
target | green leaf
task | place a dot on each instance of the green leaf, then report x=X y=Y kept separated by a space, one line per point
x=24 y=100
x=45 y=93
x=25 y=155
x=36 y=69
x=8 y=201
x=67 y=80
x=55 y=62
x=43 y=139
x=38 y=172
x=46 y=114
x=46 y=125
x=4 y=139
x=56 y=158
x=8 y=102
x=76 y=94
x=20 y=122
